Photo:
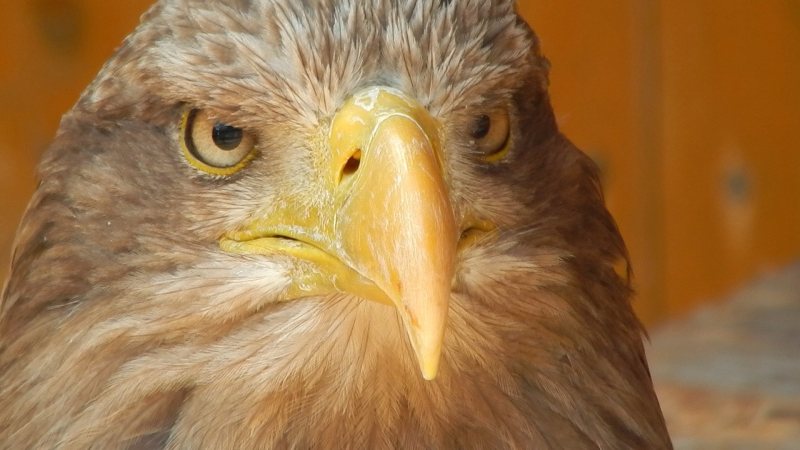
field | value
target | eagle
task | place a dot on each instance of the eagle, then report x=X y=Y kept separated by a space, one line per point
x=321 y=224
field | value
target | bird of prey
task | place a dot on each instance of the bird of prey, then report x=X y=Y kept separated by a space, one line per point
x=321 y=224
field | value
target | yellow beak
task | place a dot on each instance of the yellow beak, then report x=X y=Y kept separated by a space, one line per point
x=385 y=229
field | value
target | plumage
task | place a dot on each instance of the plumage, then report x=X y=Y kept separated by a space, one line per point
x=126 y=323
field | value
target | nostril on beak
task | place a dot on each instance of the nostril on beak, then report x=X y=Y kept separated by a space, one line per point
x=351 y=166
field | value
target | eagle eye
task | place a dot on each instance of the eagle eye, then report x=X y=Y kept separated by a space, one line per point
x=214 y=147
x=491 y=134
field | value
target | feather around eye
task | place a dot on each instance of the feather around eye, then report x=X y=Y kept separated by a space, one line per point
x=491 y=132
x=213 y=147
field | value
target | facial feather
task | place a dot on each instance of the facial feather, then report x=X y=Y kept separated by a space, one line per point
x=124 y=323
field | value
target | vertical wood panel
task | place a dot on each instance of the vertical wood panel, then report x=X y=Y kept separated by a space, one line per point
x=732 y=158
x=706 y=185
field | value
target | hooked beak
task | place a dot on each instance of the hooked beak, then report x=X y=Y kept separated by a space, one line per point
x=389 y=233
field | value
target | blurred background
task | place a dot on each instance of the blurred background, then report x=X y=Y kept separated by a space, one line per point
x=691 y=108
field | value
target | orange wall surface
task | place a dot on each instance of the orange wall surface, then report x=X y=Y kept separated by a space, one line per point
x=690 y=108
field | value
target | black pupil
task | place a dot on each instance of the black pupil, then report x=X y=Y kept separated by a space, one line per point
x=226 y=137
x=481 y=127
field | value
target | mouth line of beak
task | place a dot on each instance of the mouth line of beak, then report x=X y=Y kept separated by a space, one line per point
x=329 y=274
x=270 y=243
x=279 y=242
x=474 y=232
x=286 y=242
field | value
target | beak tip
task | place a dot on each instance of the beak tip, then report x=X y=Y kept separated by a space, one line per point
x=428 y=360
x=429 y=373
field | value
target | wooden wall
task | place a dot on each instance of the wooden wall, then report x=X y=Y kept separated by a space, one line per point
x=691 y=109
